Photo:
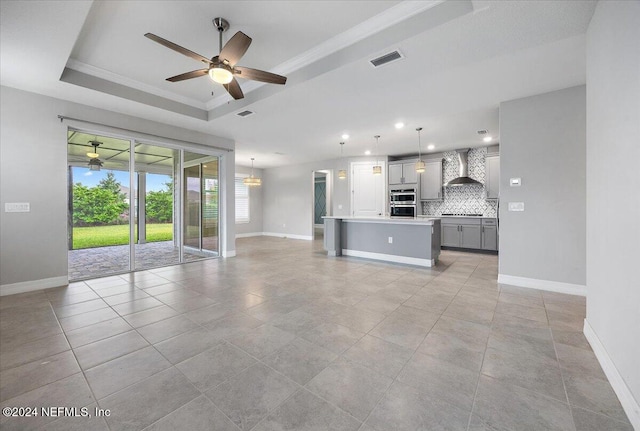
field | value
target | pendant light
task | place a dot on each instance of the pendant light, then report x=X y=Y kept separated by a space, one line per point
x=251 y=180
x=420 y=165
x=377 y=169
x=342 y=173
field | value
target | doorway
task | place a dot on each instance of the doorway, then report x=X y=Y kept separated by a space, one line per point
x=321 y=201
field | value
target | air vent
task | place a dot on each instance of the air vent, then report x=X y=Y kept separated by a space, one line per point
x=386 y=59
x=244 y=113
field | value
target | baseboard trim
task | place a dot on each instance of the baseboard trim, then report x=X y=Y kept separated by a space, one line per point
x=250 y=234
x=30 y=286
x=627 y=400
x=288 y=235
x=551 y=286
x=229 y=253
x=390 y=258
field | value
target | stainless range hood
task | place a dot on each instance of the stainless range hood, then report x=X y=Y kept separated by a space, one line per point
x=463 y=178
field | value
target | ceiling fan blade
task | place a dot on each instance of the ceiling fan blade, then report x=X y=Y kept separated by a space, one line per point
x=259 y=75
x=188 y=75
x=177 y=48
x=234 y=89
x=235 y=48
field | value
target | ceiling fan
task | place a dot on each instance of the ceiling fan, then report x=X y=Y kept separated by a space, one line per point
x=222 y=68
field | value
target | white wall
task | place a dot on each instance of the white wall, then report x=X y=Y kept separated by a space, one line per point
x=613 y=196
x=542 y=141
x=33 y=166
x=255 y=205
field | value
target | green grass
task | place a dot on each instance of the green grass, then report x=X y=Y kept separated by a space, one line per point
x=100 y=236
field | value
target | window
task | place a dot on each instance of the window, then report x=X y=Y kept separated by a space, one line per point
x=242 y=201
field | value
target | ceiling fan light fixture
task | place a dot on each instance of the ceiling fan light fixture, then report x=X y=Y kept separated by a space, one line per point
x=220 y=74
x=94 y=154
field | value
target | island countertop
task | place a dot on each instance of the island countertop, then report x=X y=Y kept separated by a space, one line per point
x=387 y=219
x=413 y=241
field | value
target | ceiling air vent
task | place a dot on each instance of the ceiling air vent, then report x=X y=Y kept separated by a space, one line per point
x=386 y=59
x=244 y=113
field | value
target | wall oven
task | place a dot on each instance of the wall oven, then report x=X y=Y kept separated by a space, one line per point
x=403 y=203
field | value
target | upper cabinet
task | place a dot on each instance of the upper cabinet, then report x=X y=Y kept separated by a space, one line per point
x=492 y=176
x=403 y=172
x=431 y=181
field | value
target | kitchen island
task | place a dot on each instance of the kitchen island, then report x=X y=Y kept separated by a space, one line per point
x=413 y=241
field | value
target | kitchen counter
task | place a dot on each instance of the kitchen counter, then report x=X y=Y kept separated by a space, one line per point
x=454 y=216
x=413 y=241
x=386 y=219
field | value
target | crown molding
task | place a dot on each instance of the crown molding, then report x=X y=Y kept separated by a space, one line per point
x=128 y=82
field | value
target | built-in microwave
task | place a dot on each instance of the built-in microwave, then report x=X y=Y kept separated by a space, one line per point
x=403 y=196
x=402 y=210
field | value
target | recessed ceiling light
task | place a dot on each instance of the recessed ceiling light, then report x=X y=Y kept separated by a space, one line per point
x=430 y=147
x=367 y=153
x=345 y=136
x=399 y=125
x=487 y=139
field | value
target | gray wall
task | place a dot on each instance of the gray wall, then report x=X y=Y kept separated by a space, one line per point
x=288 y=196
x=255 y=205
x=542 y=141
x=613 y=186
x=33 y=160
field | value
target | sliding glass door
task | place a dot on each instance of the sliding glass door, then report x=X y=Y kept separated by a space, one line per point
x=201 y=209
x=135 y=205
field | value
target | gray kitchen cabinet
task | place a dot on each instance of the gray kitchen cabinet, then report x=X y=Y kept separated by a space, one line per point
x=461 y=232
x=403 y=172
x=450 y=235
x=489 y=234
x=470 y=236
x=492 y=176
x=431 y=181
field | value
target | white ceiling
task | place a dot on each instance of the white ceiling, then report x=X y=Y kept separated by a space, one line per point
x=462 y=58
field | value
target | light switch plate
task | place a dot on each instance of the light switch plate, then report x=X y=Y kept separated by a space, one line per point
x=515 y=182
x=17 y=207
x=516 y=206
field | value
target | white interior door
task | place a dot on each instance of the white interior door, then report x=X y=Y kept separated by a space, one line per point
x=367 y=190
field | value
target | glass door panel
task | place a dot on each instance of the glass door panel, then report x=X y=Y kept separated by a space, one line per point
x=201 y=205
x=156 y=244
x=210 y=201
x=192 y=199
x=99 y=205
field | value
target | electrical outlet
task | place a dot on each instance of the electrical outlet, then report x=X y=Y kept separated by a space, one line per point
x=339 y=206
x=390 y=240
x=17 y=207
x=516 y=206
x=284 y=225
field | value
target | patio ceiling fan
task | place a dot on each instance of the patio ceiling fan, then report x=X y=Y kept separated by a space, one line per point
x=94 y=162
x=222 y=68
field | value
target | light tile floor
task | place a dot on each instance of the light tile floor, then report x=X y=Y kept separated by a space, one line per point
x=284 y=337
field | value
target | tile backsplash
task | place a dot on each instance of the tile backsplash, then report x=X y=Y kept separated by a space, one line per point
x=466 y=199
